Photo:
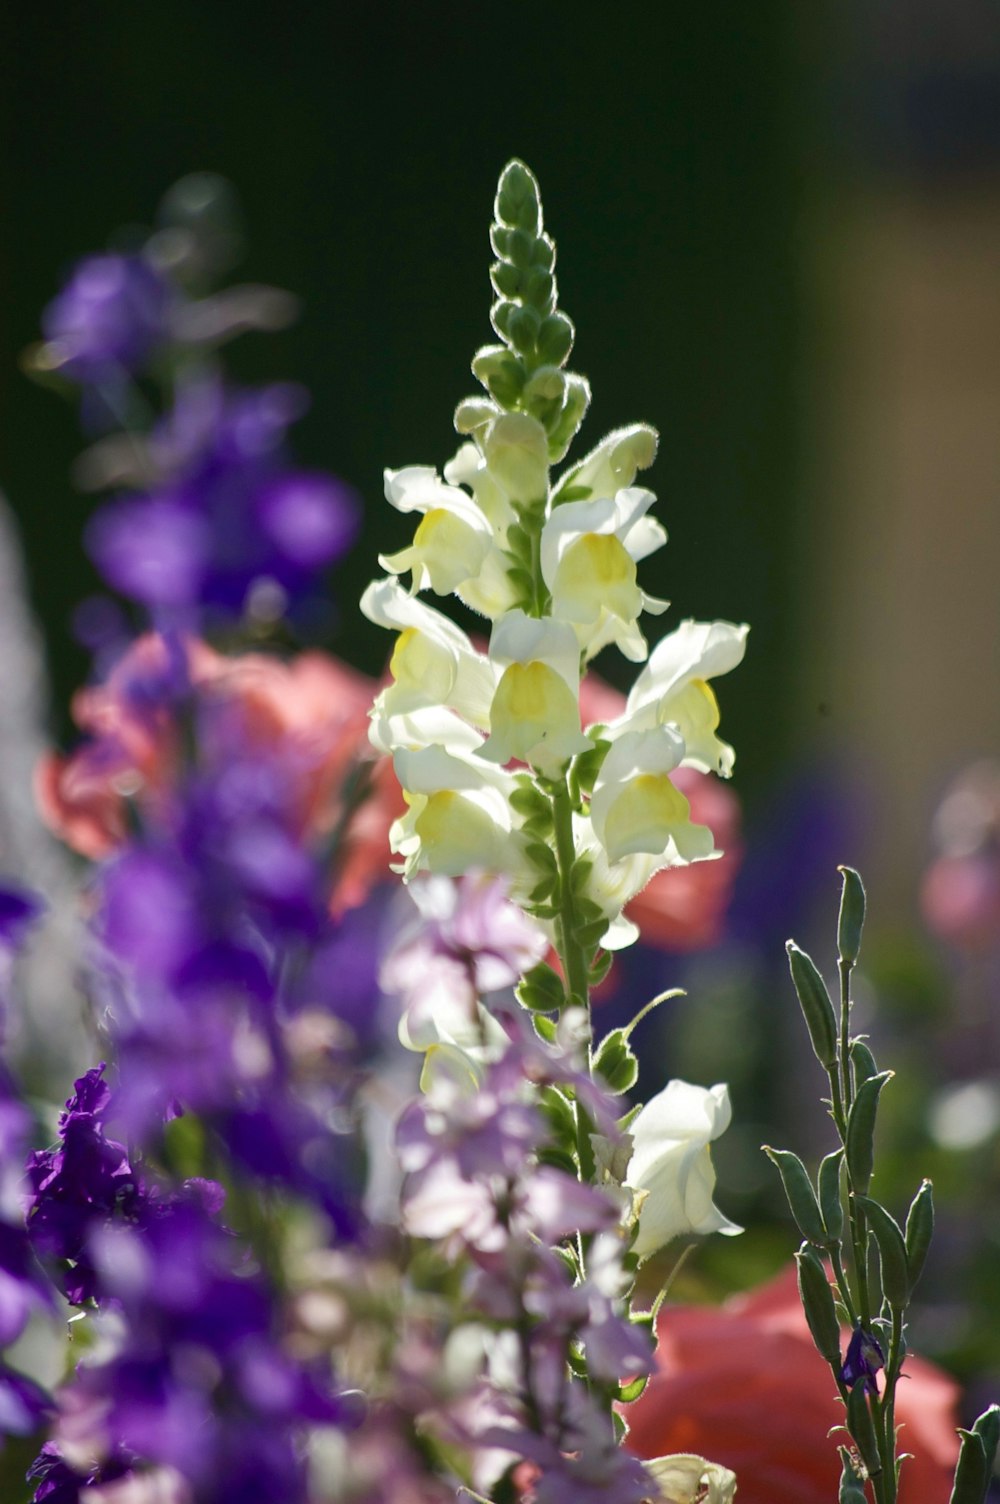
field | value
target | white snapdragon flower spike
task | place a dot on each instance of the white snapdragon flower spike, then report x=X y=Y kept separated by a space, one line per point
x=613 y=465
x=636 y=808
x=433 y=662
x=535 y=715
x=453 y=539
x=612 y=884
x=589 y=551
x=672 y=689
x=672 y=1164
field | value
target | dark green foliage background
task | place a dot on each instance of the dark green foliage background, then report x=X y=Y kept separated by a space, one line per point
x=365 y=143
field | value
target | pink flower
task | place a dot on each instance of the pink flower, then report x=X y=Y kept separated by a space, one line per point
x=742 y=1383
x=312 y=710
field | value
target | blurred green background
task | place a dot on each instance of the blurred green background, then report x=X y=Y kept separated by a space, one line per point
x=778 y=233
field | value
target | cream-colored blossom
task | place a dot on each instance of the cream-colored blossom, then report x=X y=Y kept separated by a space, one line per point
x=535 y=715
x=672 y=1163
x=433 y=662
x=612 y=465
x=636 y=808
x=687 y=1479
x=589 y=551
x=673 y=689
x=453 y=538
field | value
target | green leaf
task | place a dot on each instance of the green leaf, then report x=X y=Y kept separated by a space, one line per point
x=919 y=1231
x=801 y=1196
x=629 y=1392
x=852 y=916
x=814 y=1000
x=861 y=1131
x=891 y=1251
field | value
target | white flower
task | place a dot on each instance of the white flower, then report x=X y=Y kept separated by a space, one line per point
x=433 y=662
x=671 y=1162
x=459 y=814
x=635 y=807
x=684 y=1478
x=589 y=551
x=535 y=715
x=453 y=539
x=612 y=465
x=672 y=689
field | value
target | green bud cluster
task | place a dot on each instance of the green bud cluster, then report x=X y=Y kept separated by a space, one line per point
x=843 y=1183
x=526 y=372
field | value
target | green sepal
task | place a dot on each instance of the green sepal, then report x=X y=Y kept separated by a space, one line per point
x=615 y=1063
x=861 y=1131
x=972 y=1475
x=629 y=1392
x=540 y=895
x=542 y=857
x=862 y=1429
x=591 y=933
x=507 y=281
x=600 y=967
x=541 y=989
x=545 y=1028
x=817 y=1302
x=863 y=1062
x=473 y=413
x=587 y=765
x=559 y=1159
x=852 y=916
x=522 y=328
x=539 y=293
x=814 y=1000
x=830 y=1202
x=571 y=493
x=525 y=799
x=519 y=543
x=919 y=1231
x=800 y=1194
x=891 y=1252
x=580 y=874
x=852 y=1488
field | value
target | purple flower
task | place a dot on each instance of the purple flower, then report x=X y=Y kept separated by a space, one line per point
x=84 y=1182
x=58 y=1483
x=863 y=1361
x=109 y=317
x=229 y=512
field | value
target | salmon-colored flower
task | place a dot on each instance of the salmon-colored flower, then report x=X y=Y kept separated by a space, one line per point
x=681 y=908
x=743 y=1384
x=312 y=710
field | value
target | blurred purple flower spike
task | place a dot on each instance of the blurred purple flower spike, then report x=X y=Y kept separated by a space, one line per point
x=108 y=319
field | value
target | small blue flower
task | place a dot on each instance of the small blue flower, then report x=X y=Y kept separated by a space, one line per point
x=864 y=1359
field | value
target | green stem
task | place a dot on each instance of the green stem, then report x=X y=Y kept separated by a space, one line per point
x=571 y=952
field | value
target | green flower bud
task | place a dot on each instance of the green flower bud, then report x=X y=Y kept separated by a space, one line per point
x=517 y=200
x=863 y=1061
x=817 y=1302
x=815 y=1003
x=830 y=1202
x=473 y=413
x=574 y=410
x=891 y=1253
x=555 y=339
x=862 y=1429
x=522 y=327
x=919 y=1230
x=852 y=1488
x=852 y=916
x=800 y=1194
x=972 y=1475
x=500 y=372
x=861 y=1131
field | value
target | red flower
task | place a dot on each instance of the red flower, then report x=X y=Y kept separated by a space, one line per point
x=743 y=1385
